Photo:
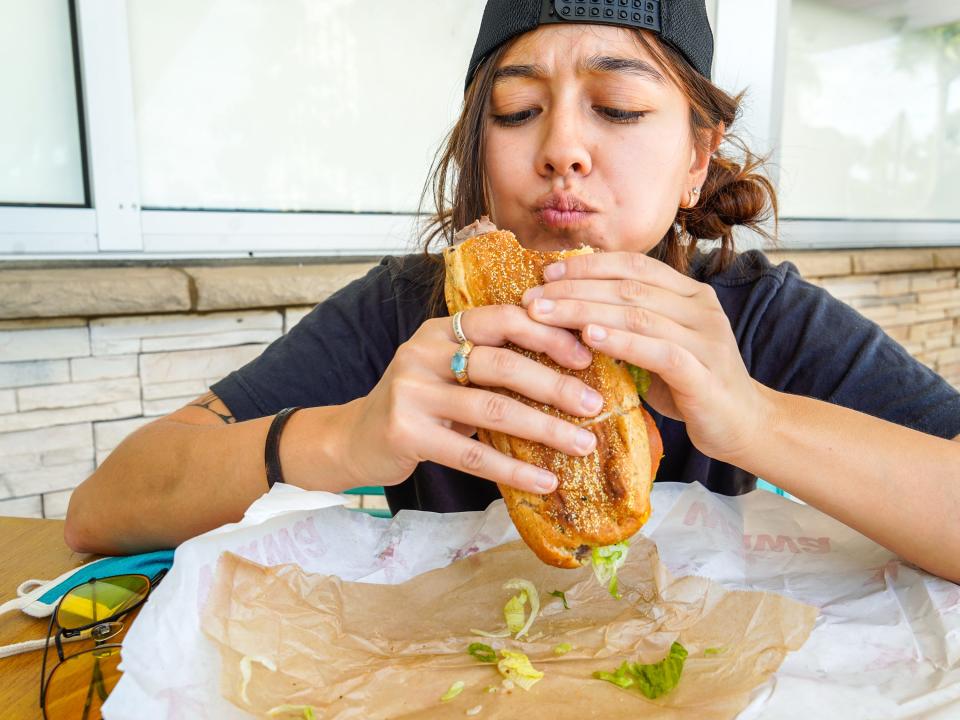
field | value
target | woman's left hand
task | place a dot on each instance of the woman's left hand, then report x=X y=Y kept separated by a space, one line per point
x=637 y=309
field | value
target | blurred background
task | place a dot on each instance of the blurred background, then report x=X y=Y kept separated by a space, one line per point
x=181 y=181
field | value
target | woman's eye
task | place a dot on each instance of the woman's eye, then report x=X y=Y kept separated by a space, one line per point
x=517 y=118
x=622 y=116
x=612 y=114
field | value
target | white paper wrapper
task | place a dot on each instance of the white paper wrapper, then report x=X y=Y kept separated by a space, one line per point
x=887 y=643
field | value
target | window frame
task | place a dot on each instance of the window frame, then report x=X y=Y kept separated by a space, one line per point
x=751 y=37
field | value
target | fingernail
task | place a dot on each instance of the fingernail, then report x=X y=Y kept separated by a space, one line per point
x=584 y=353
x=545 y=482
x=532 y=294
x=591 y=400
x=584 y=440
x=555 y=271
x=543 y=306
x=597 y=334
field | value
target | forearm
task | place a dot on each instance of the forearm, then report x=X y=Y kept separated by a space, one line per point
x=171 y=481
x=895 y=485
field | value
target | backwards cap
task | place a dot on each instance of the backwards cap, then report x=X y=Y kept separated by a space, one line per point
x=682 y=24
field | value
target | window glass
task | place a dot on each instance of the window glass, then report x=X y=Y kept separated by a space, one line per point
x=40 y=151
x=295 y=104
x=871 y=122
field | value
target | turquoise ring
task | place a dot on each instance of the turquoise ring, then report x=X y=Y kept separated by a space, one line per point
x=458 y=363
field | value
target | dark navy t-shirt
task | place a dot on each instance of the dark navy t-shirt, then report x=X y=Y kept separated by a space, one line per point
x=793 y=336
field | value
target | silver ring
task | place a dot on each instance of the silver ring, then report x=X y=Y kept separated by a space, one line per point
x=458 y=328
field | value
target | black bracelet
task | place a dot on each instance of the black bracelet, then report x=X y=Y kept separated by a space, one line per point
x=271 y=451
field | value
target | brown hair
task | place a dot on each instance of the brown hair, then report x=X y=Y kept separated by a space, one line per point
x=735 y=191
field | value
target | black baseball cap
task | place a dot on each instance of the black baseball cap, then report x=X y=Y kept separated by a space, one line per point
x=682 y=24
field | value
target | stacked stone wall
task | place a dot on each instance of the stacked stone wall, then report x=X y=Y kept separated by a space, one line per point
x=89 y=355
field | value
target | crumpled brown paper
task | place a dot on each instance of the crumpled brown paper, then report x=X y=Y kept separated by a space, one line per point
x=356 y=650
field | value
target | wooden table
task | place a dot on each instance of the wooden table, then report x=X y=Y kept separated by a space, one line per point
x=28 y=549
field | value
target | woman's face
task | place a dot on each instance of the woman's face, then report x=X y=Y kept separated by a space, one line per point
x=588 y=141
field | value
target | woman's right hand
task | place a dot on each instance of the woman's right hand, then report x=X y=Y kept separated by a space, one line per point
x=418 y=411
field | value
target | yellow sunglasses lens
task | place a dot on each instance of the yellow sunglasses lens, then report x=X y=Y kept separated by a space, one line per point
x=80 y=684
x=100 y=599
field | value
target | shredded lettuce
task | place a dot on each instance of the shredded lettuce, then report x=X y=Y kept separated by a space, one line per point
x=482 y=652
x=651 y=680
x=514 y=618
x=307 y=712
x=246 y=672
x=606 y=562
x=454 y=690
x=563 y=596
x=641 y=378
x=514 y=613
x=562 y=649
x=621 y=677
x=516 y=667
x=714 y=651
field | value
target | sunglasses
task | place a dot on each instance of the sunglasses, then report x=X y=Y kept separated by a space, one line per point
x=93 y=612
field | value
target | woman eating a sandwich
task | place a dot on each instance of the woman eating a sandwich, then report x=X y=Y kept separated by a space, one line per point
x=576 y=130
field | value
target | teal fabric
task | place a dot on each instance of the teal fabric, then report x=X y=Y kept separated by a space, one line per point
x=148 y=564
x=764 y=485
x=372 y=490
x=364 y=491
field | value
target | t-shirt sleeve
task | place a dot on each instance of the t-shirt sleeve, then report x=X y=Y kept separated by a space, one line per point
x=335 y=354
x=806 y=342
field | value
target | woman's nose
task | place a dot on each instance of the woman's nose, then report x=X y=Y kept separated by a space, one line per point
x=563 y=148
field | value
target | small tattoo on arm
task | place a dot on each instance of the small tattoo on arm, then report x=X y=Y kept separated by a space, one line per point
x=206 y=401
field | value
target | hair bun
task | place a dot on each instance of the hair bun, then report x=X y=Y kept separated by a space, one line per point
x=732 y=195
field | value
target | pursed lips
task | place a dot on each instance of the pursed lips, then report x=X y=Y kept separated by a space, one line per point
x=563 y=211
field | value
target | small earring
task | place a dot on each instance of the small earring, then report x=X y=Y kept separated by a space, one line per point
x=694 y=196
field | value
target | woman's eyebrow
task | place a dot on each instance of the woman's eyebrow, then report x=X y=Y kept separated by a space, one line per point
x=532 y=72
x=593 y=64
x=628 y=66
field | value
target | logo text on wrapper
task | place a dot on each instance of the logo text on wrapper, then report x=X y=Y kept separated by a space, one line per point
x=301 y=544
x=698 y=512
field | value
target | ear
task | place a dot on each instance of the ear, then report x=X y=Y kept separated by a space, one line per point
x=700 y=159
